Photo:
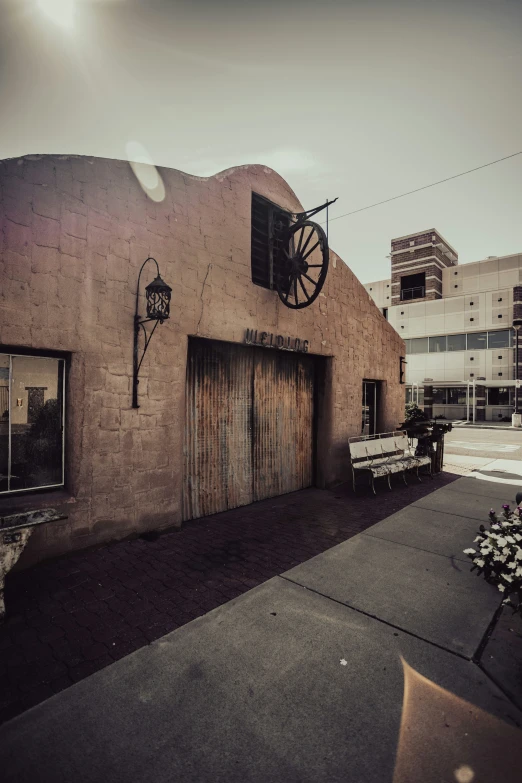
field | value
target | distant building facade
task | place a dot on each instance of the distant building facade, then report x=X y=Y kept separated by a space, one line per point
x=457 y=325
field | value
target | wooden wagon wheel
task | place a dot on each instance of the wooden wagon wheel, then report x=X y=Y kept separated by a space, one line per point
x=299 y=274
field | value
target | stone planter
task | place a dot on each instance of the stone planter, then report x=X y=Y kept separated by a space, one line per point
x=430 y=436
x=15 y=532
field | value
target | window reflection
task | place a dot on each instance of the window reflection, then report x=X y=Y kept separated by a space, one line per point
x=456 y=342
x=31 y=452
x=477 y=341
x=498 y=339
x=4 y=421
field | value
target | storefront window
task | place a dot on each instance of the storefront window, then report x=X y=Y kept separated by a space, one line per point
x=407 y=344
x=419 y=345
x=477 y=341
x=437 y=344
x=498 y=339
x=502 y=395
x=456 y=342
x=449 y=395
x=31 y=422
x=456 y=395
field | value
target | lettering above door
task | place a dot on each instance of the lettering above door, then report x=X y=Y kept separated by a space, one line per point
x=269 y=340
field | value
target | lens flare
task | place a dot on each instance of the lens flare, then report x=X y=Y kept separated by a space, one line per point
x=145 y=171
x=61 y=12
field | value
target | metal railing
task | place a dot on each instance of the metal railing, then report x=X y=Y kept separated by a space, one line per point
x=413 y=293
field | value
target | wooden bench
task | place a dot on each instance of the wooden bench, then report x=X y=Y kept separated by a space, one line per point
x=384 y=455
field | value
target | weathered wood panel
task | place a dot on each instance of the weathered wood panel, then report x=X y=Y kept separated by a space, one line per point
x=248 y=426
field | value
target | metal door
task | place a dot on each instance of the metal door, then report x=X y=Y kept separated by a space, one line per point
x=249 y=425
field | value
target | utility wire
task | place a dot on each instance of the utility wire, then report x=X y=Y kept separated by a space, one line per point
x=425 y=187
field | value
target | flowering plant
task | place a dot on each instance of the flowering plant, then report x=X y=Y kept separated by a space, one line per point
x=499 y=555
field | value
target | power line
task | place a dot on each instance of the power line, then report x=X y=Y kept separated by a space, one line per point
x=370 y=206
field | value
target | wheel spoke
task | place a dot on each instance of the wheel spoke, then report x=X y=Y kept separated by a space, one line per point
x=314 y=282
x=310 y=251
x=300 y=241
x=314 y=266
x=304 y=289
x=310 y=235
x=295 y=290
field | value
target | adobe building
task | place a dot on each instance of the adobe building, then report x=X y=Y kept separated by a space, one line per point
x=241 y=397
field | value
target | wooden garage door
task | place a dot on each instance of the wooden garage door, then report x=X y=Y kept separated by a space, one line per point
x=248 y=426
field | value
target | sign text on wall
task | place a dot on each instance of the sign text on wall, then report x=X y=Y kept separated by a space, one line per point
x=269 y=340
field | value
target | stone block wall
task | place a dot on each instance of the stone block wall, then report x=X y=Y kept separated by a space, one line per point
x=74 y=232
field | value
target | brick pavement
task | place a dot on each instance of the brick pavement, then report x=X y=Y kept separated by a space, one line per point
x=70 y=617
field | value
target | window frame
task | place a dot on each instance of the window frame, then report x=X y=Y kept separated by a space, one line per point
x=434 y=339
x=272 y=209
x=476 y=347
x=17 y=352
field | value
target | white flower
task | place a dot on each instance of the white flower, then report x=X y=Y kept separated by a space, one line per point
x=518 y=572
x=518 y=554
x=494 y=527
x=516 y=536
x=506 y=551
x=469 y=552
x=507 y=577
x=501 y=541
x=511 y=565
x=501 y=588
x=479 y=538
x=510 y=539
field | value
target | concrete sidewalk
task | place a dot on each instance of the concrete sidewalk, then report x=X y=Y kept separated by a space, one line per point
x=372 y=657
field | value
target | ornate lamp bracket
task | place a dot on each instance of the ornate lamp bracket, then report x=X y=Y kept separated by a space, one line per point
x=158 y=309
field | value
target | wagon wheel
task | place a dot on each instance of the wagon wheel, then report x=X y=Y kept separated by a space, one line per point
x=300 y=271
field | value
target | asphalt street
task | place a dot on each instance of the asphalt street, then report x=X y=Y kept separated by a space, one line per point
x=495 y=444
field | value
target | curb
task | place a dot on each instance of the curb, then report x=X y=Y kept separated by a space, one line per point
x=487 y=427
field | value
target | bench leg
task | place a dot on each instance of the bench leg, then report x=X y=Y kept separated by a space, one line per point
x=388 y=477
x=404 y=477
x=372 y=484
x=419 y=478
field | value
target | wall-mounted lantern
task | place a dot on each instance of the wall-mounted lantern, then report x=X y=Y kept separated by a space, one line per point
x=401 y=371
x=158 y=309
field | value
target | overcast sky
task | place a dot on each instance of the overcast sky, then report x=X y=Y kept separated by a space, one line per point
x=360 y=100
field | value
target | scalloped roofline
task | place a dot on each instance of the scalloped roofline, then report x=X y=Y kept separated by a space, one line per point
x=219 y=175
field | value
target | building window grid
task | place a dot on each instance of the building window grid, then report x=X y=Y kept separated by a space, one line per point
x=472 y=341
x=456 y=395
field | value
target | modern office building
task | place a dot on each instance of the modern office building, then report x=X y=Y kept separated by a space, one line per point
x=457 y=323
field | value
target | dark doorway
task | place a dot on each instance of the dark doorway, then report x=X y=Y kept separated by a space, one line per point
x=369 y=407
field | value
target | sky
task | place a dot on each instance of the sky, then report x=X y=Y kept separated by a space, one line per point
x=360 y=100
